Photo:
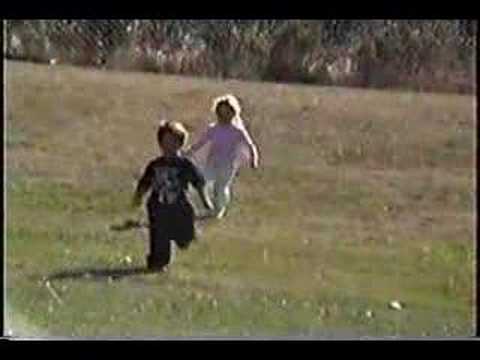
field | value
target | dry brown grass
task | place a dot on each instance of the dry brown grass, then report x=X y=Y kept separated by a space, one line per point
x=359 y=190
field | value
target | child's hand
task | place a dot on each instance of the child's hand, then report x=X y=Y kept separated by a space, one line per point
x=206 y=199
x=208 y=205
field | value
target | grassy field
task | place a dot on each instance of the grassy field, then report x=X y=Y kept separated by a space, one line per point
x=363 y=197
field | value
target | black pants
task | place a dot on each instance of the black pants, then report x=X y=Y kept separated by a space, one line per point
x=168 y=223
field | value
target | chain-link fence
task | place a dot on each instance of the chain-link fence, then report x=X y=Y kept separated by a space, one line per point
x=432 y=55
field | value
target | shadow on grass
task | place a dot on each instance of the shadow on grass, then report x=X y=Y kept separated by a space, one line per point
x=131 y=224
x=99 y=274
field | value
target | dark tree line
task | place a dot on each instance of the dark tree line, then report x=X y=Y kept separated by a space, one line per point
x=381 y=53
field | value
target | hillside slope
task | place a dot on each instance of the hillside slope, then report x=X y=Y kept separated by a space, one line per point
x=363 y=197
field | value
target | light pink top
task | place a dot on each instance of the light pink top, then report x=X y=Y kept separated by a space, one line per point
x=229 y=146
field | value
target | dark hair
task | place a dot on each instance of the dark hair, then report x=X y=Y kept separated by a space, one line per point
x=230 y=100
x=225 y=103
x=175 y=128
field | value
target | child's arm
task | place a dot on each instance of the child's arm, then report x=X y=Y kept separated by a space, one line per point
x=252 y=147
x=198 y=182
x=143 y=186
x=204 y=139
x=205 y=198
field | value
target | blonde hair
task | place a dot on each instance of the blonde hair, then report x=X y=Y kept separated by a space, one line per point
x=174 y=127
x=234 y=103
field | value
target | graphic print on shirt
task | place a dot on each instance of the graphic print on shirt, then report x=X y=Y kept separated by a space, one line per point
x=167 y=184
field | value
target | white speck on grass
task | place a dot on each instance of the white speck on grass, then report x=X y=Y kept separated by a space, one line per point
x=215 y=303
x=395 y=305
x=322 y=313
x=306 y=304
x=265 y=256
x=19 y=326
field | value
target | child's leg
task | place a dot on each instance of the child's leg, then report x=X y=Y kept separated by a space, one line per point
x=184 y=227
x=222 y=198
x=222 y=192
x=160 y=247
x=210 y=175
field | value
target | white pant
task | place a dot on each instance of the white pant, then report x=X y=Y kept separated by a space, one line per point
x=221 y=177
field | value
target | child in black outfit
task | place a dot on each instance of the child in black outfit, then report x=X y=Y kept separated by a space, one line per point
x=170 y=214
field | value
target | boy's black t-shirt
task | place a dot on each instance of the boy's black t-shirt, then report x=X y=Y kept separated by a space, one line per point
x=168 y=178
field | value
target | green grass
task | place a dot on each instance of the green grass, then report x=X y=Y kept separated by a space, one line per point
x=363 y=197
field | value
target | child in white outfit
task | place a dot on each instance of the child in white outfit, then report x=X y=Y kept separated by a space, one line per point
x=230 y=147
